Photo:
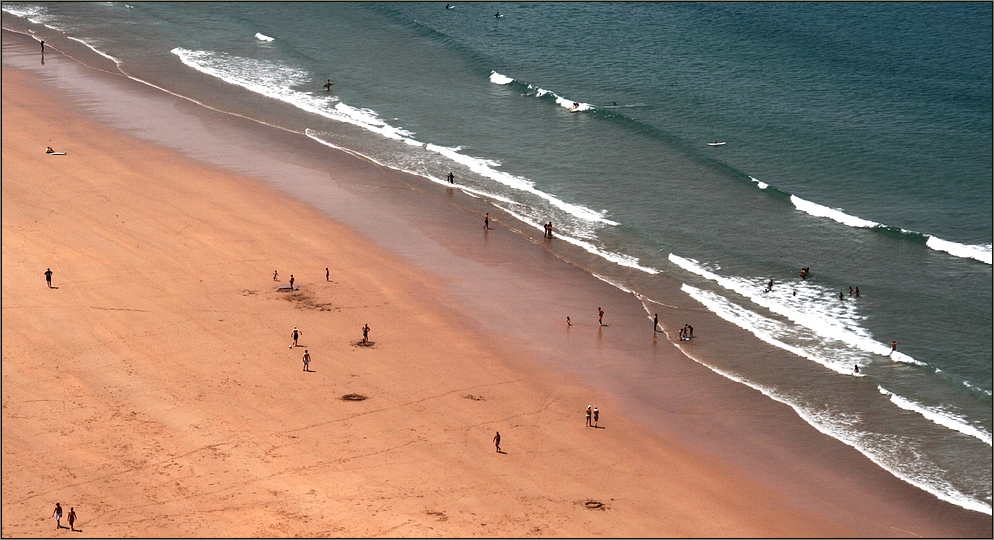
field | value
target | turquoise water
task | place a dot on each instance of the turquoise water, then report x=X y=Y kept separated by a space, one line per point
x=859 y=144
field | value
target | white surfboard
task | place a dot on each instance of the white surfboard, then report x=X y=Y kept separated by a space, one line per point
x=56 y=153
x=716 y=143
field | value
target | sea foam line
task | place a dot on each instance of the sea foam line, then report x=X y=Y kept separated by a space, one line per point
x=565 y=103
x=276 y=81
x=823 y=322
x=940 y=417
x=939 y=488
x=980 y=252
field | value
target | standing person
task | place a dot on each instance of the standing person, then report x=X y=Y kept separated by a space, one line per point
x=550 y=229
x=451 y=178
x=58 y=515
x=486 y=221
x=43 y=46
x=597 y=415
x=850 y=291
x=497 y=441
x=291 y=282
x=365 y=334
x=327 y=85
x=600 y=316
x=276 y=275
x=588 y=415
x=690 y=331
x=295 y=334
x=842 y=296
x=857 y=292
x=327 y=275
x=769 y=286
x=855 y=368
x=893 y=345
x=655 y=322
x=48 y=277
x=307 y=360
x=72 y=518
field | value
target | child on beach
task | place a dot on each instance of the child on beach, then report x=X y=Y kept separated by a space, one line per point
x=307 y=360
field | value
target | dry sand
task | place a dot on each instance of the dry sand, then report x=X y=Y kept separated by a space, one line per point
x=155 y=391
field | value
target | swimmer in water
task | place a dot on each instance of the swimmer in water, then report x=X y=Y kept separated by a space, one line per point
x=856 y=368
x=327 y=85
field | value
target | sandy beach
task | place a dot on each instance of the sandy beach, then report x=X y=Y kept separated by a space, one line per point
x=154 y=387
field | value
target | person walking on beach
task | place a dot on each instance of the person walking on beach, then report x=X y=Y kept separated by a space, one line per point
x=327 y=274
x=291 y=282
x=655 y=322
x=295 y=334
x=72 y=518
x=597 y=415
x=600 y=316
x=486 y=221
x=307 y=360
x=276 y=275
x=48 y=277
x=58 y=515
x=588 y=414
x=43 y=46
x=451 y=178
x=365 y=334
x=497 y=441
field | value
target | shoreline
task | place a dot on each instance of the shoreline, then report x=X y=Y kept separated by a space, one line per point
x=469 y=256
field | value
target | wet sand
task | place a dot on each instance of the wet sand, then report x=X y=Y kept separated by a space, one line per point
x=155 y=391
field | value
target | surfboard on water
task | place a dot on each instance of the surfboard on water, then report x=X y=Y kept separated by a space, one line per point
x=716 y=143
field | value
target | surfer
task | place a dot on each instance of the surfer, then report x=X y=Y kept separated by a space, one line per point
x=893 y=345
x=769 y=286
x=327 y=85
x=497 y=15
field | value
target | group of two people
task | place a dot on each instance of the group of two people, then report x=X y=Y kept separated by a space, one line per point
x=58 y=517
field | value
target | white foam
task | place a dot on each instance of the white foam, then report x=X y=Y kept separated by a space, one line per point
x=977 y=388
x=842 y=428
x=771 y=331
x=939 y=416
x=497 y=78
x=617 y=258
x=98 y=51
x=35 y=14
x=277 y=81
x=263 y=37
x=831 y=213
x=896 y=356
x=980 y=252
x=760 y=185
x=814 y=308
x=563 y=102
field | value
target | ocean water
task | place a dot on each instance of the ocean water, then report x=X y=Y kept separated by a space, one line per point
x=858 y=144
